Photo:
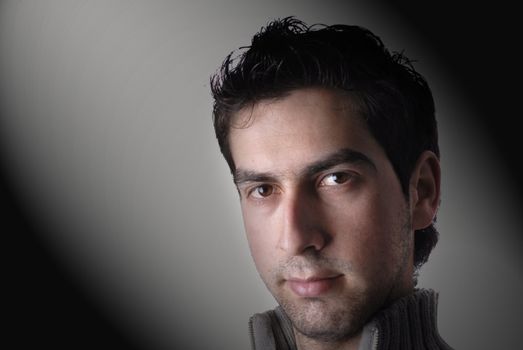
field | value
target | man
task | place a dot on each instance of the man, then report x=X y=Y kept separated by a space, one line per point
x=332 y=144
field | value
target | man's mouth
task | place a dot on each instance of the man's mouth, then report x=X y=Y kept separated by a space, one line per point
x=313 y=286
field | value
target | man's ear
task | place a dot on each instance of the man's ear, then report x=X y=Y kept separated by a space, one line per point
x=424 y=188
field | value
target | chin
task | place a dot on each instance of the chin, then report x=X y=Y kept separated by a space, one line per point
x=329 y=320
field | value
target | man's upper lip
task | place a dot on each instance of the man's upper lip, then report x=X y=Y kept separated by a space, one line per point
x=313 y=278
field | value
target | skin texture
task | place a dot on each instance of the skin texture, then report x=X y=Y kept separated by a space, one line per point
x=329 y=229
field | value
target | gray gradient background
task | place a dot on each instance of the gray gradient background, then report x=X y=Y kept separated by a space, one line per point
x=106 y=127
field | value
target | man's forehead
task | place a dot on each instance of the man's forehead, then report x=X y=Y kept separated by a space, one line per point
x=331 y=99
x=289 y=134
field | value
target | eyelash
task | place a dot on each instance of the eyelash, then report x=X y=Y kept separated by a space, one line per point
x=346 y=176
x=253 y=190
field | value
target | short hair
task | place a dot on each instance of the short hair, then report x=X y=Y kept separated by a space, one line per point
x=395 y=100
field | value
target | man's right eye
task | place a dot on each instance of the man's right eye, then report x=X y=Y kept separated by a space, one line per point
x=262 y=191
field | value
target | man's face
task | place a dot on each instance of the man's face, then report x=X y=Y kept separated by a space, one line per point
x=327 y=223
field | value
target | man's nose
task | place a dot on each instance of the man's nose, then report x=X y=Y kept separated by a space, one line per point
x=302 y=226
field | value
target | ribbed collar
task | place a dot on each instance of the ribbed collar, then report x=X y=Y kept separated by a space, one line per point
x=409 y=323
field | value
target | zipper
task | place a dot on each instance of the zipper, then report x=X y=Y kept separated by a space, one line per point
x=251 y=334
x=375 y=339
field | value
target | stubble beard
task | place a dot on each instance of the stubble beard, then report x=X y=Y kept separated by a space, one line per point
x=338 y=319
x=317 y=321
x=330 y=319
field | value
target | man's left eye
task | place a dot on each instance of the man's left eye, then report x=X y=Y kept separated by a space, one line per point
x=335 y=179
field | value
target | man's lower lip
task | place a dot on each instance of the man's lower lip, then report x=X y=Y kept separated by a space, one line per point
x=312 y=288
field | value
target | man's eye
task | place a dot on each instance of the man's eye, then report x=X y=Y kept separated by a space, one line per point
x=335 y=179
x=262 y=191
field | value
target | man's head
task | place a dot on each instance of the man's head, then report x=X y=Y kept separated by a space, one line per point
x=332 y=142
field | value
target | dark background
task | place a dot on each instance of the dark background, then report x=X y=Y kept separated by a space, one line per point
x=479 y=43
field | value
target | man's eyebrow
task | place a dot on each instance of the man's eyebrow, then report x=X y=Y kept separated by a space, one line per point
x=242 y=176
x=342 y=156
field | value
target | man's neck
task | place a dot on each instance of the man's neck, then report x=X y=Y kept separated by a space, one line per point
x=305 y=343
